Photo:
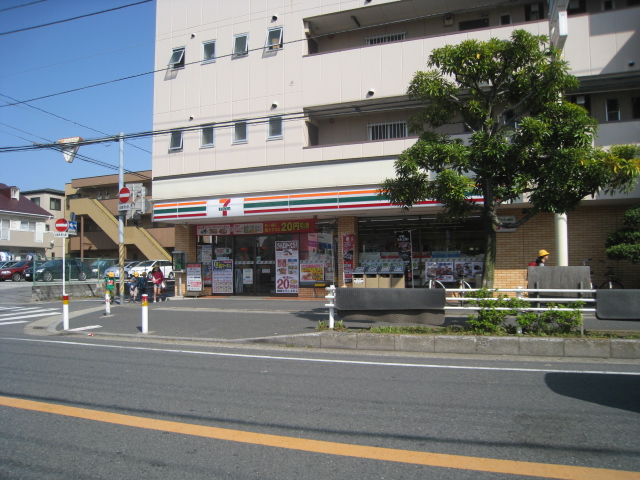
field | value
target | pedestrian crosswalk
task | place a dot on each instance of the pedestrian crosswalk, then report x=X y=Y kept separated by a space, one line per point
x=13 y=315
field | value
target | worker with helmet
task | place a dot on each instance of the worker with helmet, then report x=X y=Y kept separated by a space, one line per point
x=135 y=286
x=110 y=285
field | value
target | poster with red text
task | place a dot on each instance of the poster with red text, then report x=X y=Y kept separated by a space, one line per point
x=287 y=267
x=348 y=245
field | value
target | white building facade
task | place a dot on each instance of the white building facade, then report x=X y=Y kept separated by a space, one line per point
x=283 y=117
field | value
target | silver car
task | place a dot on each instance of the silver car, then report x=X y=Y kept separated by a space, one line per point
x=128 y=265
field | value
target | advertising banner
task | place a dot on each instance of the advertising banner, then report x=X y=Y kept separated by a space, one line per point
x=287 y=267
x=311 y=273
x=194 y=277
x=222 y=276
x=348 y=240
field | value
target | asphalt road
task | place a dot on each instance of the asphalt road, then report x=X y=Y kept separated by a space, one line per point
x=79 y=408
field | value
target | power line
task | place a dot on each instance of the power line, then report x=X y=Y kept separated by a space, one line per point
x=70 y=121
x=337 y=111
x=58 y=147
x=74 y=18
x=251 y=50
x=23 y=5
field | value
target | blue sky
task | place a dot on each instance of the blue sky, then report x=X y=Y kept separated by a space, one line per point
x=67 y=56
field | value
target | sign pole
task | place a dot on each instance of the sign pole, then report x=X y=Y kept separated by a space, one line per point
x=121 y=222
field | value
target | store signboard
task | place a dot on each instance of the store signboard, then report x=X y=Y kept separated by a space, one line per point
x=194 y=277
x=348 y=241
x=222 y=276
x=284 y=226
x=287 y=267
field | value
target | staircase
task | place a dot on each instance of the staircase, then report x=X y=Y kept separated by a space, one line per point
x=137 y=236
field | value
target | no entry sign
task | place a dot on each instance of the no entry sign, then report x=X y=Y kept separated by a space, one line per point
x=62 y=225
x=125 y=195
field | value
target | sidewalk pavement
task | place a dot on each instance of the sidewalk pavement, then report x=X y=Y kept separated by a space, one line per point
x=294 y=322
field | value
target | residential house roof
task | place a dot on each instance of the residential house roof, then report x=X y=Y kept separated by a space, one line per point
x=20 y=205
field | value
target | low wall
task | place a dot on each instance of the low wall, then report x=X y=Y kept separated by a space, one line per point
x=408 y=305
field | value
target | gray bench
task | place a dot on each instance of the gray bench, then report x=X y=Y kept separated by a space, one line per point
x=406 y=305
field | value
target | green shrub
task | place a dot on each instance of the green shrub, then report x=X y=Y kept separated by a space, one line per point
x=489 y=319
x=552 y=320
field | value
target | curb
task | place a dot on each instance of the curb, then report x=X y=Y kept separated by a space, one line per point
x=464 y=344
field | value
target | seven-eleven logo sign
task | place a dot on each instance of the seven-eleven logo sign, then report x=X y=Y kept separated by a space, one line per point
x=224 y=206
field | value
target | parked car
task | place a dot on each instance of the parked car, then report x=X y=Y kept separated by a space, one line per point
x=99 y=267
x=15 y=271
x=128 y=265
x=166 y=267
x=74 y=270
x=8 y=263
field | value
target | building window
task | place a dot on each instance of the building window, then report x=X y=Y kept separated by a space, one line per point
x=393 y=37
x=274 y=39
x=533 y=12
x=583 y=100
x=613 y=110
x=608 y=5
x=206 y=137
x=55 y=204
x=383 y=131
x=209 y=51
x=474 y=24
x=36 y=200
x=241 y=45
x=635 y=107
x=27 y=226
x=240 y=132
x=275 y=127
x=505 y=19
x=177 y=58
x=576 y=6
x=176 y=141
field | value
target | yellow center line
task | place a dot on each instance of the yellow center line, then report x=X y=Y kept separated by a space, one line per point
x=564 y=472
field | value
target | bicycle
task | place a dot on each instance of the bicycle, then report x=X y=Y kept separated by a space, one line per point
x=433 y=283
x=610 y=283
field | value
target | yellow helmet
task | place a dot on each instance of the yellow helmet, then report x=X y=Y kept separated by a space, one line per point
x=111 y=274
x=136 y=274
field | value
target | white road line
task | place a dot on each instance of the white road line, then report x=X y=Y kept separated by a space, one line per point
x=11 y=323
x=31 y=310
x=18 y=317
x=321 y=360
x=79 y=329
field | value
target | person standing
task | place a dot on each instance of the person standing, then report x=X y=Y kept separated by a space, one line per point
x=543 y=256
x=157 y=278
x=110 y=285
x=134 y=286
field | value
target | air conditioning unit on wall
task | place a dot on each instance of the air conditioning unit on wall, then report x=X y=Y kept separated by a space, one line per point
x=448 y=20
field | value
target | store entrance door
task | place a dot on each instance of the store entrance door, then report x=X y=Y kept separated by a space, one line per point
x=254 y=265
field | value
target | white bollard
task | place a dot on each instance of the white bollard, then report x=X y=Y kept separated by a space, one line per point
x=332 y=295
x=65 y=312
x=107 y=304
x=145 y=314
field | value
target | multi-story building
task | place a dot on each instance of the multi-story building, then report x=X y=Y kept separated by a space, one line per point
x=53 y=201
x=23 y=226
x=282 y=118
x=93 y=201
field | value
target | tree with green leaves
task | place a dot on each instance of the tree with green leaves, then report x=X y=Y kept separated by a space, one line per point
x=526 y=140
x=624 y=243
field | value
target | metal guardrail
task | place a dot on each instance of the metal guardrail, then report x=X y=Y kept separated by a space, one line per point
x=519 y=295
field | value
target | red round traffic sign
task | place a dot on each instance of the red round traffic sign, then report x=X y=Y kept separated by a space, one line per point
x=124 y=194
x=62 y=225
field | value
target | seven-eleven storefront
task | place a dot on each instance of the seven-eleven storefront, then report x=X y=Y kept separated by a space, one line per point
x=283 y=245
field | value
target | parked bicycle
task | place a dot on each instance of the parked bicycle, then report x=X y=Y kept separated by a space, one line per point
x=611 y=282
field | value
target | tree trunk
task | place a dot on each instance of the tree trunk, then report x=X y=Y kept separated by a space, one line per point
x=490 y=254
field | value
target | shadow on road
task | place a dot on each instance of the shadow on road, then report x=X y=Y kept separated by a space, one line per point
x=617 y=391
